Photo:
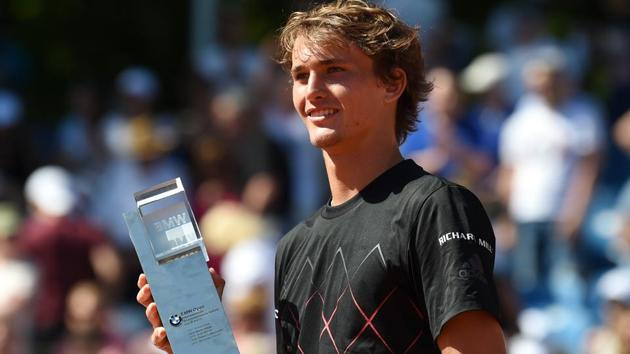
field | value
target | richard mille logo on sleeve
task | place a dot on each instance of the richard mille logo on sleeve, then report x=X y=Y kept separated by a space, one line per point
x=464 y=236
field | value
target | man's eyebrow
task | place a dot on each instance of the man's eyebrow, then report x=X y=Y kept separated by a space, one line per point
x=323 y=62
x=297 y=69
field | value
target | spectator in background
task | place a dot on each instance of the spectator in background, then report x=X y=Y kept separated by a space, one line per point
x=441 y=144
x=87 y=326
x=213 y=173
x=140 y=143
x=483 y=79
x=138 y=89
x=233 y=157
x=63 y=247
x=550 y=150
x=235 y=123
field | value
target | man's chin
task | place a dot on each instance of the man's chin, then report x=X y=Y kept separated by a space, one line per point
x=324 y=141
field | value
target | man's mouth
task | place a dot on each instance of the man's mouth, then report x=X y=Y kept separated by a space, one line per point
x=321 y=113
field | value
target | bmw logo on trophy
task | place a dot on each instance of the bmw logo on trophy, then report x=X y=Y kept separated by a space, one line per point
x=173 y=257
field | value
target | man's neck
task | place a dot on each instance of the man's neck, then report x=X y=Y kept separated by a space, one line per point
x=348 y=174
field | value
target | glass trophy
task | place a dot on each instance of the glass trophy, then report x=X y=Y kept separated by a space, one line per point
x=173 y=257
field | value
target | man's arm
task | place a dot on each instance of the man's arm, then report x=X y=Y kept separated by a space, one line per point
x=472 y=332
x=457 y=272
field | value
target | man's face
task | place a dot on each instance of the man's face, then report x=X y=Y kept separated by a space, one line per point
x=338 y=96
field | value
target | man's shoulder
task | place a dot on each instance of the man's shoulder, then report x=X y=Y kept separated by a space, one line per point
x=407 y=187
x=438 y=192
x=427 y=186
x=406 y=181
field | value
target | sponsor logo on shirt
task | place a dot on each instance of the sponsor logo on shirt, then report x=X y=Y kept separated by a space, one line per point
x=464 y=236
x=455 y=236
x=472 y=269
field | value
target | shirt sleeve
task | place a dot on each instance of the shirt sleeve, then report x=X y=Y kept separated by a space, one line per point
x=455 y=248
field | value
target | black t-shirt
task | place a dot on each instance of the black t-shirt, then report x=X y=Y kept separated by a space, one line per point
x=383 y=272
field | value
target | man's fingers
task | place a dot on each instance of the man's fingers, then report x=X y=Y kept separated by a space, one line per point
x=152 y=315
x=144 y=295
x=159 y=339
x=142 y=280
x=219 y=283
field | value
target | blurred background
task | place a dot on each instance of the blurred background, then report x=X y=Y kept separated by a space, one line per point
x=99 y=99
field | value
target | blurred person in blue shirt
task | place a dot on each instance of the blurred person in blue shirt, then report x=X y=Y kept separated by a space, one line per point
x=441 y=144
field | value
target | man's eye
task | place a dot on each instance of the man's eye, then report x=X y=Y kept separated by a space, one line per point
x=300 y=77
x=334 y=69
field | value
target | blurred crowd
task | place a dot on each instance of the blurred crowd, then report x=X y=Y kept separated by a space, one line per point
x=536 y=124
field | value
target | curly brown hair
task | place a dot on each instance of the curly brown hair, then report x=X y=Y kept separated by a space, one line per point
x=379 y=34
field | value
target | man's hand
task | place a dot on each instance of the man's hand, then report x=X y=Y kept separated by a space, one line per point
x=144 y=297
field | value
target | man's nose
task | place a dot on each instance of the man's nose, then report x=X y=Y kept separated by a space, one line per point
x=316 y=88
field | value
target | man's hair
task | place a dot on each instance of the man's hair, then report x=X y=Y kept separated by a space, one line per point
x=388 y=41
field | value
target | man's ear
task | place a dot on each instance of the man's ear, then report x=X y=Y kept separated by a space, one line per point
x=396 y=85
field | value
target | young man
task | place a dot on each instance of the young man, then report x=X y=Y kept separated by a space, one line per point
x=399 y=261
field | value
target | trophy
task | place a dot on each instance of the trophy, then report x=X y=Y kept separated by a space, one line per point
x=173 y=257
